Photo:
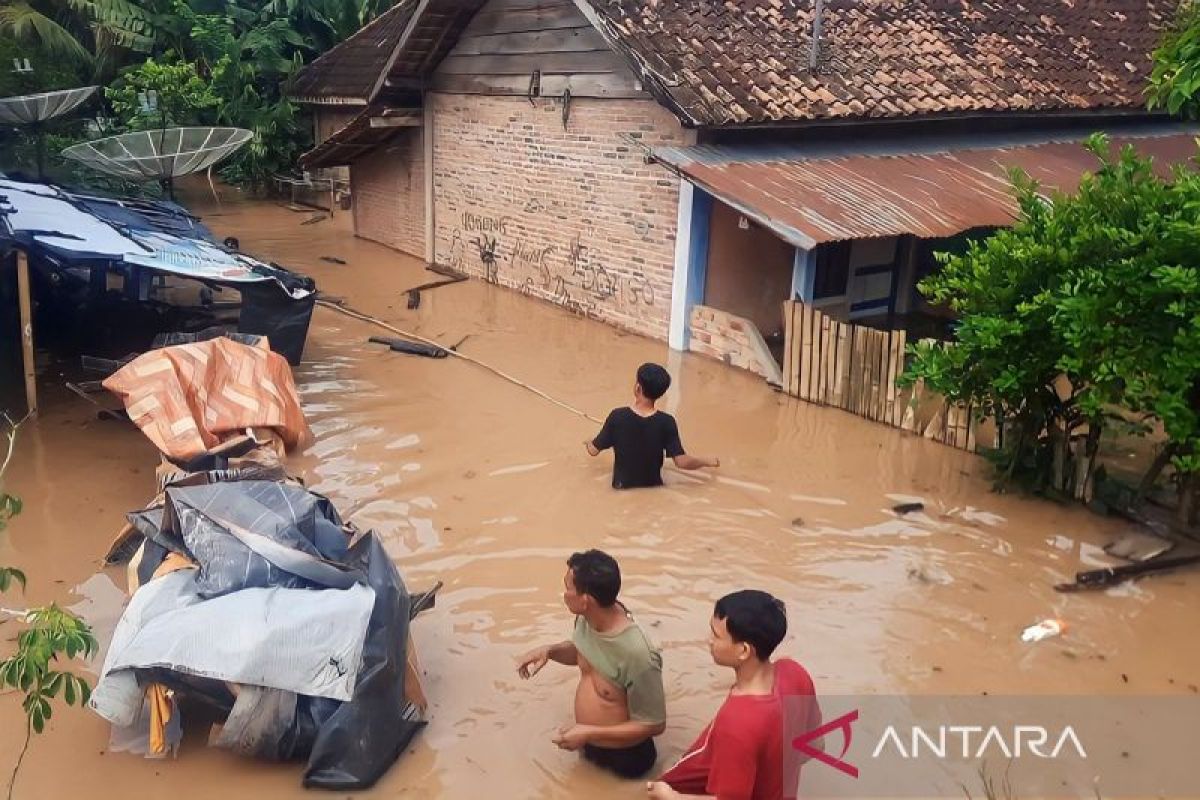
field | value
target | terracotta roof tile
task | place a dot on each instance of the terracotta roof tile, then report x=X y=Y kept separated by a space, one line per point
x=884 y=58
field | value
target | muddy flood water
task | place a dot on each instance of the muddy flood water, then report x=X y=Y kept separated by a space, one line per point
x=485 y=486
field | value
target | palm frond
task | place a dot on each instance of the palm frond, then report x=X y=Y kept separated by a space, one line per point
x=25 y=23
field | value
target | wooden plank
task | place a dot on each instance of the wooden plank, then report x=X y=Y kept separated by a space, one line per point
x=789 y=355
x=870 y=367
x=842 y=390
x=878 y=340
x=621 y=85
x=797 y=345
x=881 y=365
x=887 y=388
x=516 y=16
x=558 y=63
x=805 y=349
x=901 y=340
x=25 y=302
x=814 y=354
x=856 y=362
x=823 y=363
x=972 y=430
x=579 y=39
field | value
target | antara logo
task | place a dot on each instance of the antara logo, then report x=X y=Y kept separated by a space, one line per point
x=943 y=741
x=1020 y=741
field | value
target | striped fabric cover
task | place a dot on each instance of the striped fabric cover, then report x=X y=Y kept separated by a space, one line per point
x=189 y=398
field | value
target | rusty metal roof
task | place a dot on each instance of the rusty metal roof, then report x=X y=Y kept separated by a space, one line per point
x=808 y=196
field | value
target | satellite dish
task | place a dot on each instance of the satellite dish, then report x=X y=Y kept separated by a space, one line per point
x=35 y=109
x=160 y=155
x=29 y=109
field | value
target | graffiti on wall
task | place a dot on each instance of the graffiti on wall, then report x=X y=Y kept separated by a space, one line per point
x=571 y=273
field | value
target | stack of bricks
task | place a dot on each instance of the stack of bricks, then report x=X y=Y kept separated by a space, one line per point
x=731 y=339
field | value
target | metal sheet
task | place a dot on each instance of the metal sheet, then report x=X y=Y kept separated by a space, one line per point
x=808 y=199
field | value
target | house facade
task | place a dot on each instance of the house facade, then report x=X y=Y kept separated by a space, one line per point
x=677 y=168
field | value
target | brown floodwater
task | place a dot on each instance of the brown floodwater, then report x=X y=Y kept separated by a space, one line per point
x=485 y=486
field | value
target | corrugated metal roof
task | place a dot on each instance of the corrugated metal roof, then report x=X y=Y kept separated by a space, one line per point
x=808 y=199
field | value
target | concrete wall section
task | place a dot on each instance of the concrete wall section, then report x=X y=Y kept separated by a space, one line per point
x=559 y=203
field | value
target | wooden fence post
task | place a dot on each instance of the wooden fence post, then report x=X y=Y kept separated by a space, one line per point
x=26 y=306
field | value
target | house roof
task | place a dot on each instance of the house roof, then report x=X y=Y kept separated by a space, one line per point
x=808 y=196
x=723 y=62
x=738 y=62
x=354 y=139
x=346 y=75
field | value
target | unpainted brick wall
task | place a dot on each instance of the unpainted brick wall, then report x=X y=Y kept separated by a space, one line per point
x=574 y=216
x=731 y=339
x=389 y=194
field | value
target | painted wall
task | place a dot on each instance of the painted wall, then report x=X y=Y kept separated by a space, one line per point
x=389 y=194
x=569 y=213
x=749 y=271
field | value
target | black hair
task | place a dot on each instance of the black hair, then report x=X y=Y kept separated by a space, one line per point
x=755 y=618
x=596 y=574
x=654 y=380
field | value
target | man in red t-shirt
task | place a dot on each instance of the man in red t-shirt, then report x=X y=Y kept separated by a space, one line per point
x=741 y=754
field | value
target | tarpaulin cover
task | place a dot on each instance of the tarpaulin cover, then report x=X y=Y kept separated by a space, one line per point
x=84 y=234
x=189 y=398
x=349 y=718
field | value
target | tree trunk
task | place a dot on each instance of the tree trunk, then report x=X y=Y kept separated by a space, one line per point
x=1085 y=464
x=1160 y=463
x=1185 y=514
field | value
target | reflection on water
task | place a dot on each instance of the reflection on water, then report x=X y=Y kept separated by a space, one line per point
x=477 y=483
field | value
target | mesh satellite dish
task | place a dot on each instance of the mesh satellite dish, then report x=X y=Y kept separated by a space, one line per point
x=35 y=109
x=159 y=155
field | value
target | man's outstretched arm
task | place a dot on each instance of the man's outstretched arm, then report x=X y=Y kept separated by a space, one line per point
x=686 y=461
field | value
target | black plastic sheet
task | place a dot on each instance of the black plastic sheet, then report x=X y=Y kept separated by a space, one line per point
x=348 y=745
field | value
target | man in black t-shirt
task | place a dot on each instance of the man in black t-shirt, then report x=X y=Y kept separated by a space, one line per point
x=640 y=434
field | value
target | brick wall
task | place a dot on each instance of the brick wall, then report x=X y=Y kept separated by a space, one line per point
x=389 y=194
x=734 y=340
x=574 y=216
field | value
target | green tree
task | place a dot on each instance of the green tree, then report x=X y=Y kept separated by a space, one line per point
x=52 y=632
x=1175 y=78
x=182 y=97
x=1088 y=305
x=93 y=33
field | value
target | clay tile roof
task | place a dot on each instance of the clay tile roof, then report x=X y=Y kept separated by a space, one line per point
x=886 y=58
x=346 y=74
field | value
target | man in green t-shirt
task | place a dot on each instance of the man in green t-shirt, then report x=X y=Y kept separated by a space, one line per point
x=619 y=704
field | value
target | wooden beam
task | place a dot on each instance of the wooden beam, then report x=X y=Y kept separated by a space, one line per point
x=396 y=122
x=613 y=85
x=26 y=306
